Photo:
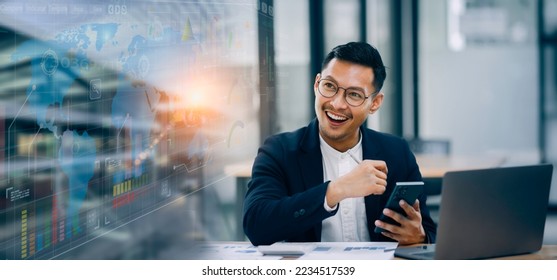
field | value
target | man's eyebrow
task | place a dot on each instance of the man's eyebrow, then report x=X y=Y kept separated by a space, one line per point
x=328 y=77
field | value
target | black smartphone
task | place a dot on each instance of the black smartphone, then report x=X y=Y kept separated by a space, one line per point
x=409 y=191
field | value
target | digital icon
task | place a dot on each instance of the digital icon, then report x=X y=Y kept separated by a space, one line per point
x=143 y=66
x=95 y=89
x=93 y=220
x=49 y=62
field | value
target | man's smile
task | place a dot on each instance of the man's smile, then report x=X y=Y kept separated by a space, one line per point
x=336 y=118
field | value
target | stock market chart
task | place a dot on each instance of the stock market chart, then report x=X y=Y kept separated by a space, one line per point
x=110 y=110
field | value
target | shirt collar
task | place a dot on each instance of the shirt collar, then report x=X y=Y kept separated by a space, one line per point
x=327 y=150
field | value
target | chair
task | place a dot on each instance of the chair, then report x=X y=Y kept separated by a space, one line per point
x=431 y=147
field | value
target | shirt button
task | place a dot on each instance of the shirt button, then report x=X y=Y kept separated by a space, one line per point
x=302 y=212
x=296 y=214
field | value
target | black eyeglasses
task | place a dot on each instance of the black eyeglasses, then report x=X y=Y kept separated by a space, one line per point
x=354 y=97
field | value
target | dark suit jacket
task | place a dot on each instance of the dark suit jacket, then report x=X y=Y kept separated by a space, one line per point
x=285 y=196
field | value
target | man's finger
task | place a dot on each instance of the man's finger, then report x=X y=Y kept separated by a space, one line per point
x=411 y=211
x=380 y=174
x=380 y=165
x=383 y=225
x=390 y=235
x=393 y=215
x=416 y=205
x=381 y=182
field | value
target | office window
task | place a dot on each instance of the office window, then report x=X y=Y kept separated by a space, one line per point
x=380 y=34
x=292 y=64
x=342 y=22
x=478 y=77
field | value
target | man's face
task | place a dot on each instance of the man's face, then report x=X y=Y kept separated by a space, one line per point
x=339 y=122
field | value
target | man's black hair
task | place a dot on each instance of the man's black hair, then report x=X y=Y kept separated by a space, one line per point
x=360 y=53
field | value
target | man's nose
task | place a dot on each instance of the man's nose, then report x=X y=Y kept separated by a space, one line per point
x=338 y=100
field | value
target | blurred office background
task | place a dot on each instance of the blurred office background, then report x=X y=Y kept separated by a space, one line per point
x=474 y=80
x=470 y=83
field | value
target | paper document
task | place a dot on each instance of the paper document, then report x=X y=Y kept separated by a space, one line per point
x=351 y=251
x=302 y=251
x=227 y=251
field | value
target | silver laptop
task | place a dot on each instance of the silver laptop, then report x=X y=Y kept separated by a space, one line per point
x=489 y=213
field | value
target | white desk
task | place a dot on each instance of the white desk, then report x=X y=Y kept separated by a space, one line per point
x=314 y=251
x=337 y=251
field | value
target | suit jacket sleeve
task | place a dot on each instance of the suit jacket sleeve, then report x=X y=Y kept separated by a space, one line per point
x=277 y=206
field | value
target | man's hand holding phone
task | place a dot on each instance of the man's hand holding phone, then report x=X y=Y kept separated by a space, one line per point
x=401 y=219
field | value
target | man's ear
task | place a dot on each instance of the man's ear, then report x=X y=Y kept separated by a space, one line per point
x=317 y=77
x=376 y=103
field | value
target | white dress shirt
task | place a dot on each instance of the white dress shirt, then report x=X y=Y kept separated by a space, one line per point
x=350 y=223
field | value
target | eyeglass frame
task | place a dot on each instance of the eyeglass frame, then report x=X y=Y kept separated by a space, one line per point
x=345 y=90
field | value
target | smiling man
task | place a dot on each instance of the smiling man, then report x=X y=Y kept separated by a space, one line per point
x=330 y=181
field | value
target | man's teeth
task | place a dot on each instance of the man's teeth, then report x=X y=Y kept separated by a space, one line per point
x=335 y=117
